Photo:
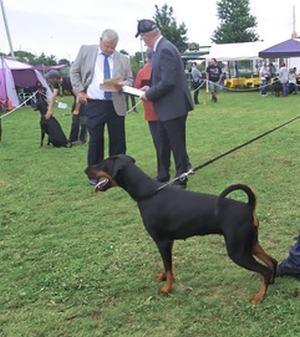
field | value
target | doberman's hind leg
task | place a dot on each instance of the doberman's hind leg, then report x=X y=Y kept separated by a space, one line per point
x=240 y=251
x=268 y=260
x=249 y=262
x=165 y=249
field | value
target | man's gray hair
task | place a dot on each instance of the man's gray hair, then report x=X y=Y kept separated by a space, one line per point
x=110 y=35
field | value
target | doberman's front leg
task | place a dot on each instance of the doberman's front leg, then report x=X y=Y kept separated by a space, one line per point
x=42 y=137
x=165 y=249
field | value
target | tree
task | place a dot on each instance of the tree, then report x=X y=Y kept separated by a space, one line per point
x=136 y=61
x=27 y=57
x=237 y=25
x=46 y=60
x=168 y=27
x=193 y=46
x=24 y=56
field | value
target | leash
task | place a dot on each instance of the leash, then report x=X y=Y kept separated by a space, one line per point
x=19 y=106
x=184 y=175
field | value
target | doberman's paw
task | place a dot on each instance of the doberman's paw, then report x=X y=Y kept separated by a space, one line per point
x=162 y=276
x=165 y=290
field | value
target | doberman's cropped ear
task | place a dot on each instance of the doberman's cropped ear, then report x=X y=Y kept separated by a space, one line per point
x=120 y=161
x=111 y=166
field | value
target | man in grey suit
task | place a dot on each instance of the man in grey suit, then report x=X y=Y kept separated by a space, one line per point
x=94 y=64
x=171 y=97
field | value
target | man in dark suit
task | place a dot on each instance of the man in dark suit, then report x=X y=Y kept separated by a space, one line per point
x=171 y=97
x=94 y=64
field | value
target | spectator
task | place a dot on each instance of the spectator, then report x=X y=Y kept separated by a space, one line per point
x=272 y=70
x=196 y=82
x=93 y=65
x=214 y=76
x=171 y=97
x=264 y=74
x=293 y=87
x=284 y=79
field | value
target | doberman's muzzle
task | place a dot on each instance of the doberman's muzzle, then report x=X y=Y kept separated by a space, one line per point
x=103 y=184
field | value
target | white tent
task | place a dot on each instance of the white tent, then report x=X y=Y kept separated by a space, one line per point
x=16 y=76
x=236 y=51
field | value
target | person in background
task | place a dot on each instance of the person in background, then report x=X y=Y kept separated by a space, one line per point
x=196 y=81
x=264 y=74
x=171 y=98
x=59 y=85
x=284 y=79
x=93 y=65
x=143 y=79
x=214 y=76
x=293 y=87
x=272 y=70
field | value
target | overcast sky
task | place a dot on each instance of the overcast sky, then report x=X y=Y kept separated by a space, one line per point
x=59 y=27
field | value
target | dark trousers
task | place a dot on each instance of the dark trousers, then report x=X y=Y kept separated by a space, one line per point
x=163 y=152
x=78 y=126
x=196 y=87
x=98 y=113
x=171 y=136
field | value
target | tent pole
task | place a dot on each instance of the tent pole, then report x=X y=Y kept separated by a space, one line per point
x=7 y=29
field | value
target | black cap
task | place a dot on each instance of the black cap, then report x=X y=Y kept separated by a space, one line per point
x=52 y=74
x=145 y=26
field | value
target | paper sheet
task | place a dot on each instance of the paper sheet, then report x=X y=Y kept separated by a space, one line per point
x=62 y=105
x=132 y=91
x=110 y=85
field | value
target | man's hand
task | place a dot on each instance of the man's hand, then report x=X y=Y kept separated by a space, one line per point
x=82 y=97
x=118 y=86
x=76 y=112
x=145 y=89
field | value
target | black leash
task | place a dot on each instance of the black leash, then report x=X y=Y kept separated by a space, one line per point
x=184 y=175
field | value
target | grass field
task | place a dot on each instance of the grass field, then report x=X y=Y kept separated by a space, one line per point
x=74 y=263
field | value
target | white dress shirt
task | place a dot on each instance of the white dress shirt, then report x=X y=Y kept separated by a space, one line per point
x=93 y=90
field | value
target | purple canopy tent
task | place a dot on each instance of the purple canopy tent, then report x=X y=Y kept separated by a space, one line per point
x=15 y=77
x=289 y=48
x=44 y=69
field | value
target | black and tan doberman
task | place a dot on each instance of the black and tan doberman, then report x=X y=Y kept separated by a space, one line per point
x=172 y=213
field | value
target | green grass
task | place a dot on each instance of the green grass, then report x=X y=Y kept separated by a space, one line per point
x=74 y=263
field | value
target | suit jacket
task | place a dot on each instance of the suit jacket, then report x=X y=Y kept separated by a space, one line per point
x=169 y=89
x=82 y=72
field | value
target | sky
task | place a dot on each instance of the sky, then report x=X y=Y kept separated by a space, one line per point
x=60 y=27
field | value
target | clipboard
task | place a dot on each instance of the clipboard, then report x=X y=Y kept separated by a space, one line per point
x=110 y=85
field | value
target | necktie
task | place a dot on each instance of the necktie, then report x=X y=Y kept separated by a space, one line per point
x=107 y=94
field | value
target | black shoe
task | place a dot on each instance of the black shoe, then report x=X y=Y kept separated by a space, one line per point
x=181 y=183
